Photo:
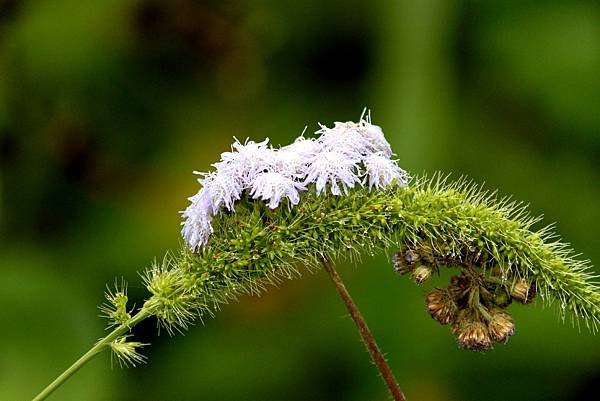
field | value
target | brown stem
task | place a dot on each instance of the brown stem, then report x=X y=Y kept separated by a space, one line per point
x=365 y=333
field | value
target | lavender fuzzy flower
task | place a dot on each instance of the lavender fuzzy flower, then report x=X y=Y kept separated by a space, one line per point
x=335 y=168
x=223 y=187
x=337 y=160
x=274 y=187
x=246 y=160
x=197 y=226
x=380 y=171
x=295 y=157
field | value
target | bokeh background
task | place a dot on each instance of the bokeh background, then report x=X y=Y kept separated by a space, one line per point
x=107 y=106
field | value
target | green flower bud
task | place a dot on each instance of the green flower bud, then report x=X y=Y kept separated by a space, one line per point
x=502 y=298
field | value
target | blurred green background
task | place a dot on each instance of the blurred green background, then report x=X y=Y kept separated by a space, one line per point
x=107 y=106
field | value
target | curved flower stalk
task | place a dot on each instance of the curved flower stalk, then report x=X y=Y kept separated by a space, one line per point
x=266 y=212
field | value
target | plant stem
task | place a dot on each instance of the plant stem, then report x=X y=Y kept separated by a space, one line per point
x=97 y=348
x=365 y=333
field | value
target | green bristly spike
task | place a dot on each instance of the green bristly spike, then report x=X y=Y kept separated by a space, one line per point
x=115 y=307
x=255 y=245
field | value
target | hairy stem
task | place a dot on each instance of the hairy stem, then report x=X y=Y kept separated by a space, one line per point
x=365 y=333
x=100 y=346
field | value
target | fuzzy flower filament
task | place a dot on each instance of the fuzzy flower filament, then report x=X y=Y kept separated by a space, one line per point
x=380 y=171
x=333 y=169
x=274 y=187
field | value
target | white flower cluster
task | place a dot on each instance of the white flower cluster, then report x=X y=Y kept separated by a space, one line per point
x=347 y=155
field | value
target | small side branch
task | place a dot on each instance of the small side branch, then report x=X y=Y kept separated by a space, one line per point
x=100 y=346
x=365 y=333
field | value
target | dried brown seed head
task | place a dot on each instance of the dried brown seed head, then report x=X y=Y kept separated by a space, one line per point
x=473 y=335
x=501 y=325
x=523 y=291
x=441 y=305
x=421 y=274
